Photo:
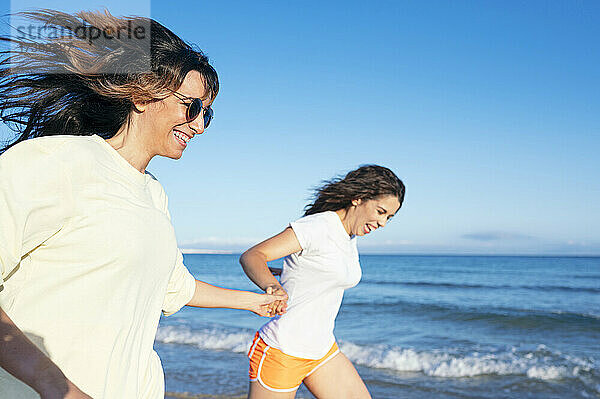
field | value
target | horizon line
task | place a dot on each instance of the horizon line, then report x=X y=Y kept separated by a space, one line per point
x=197 y=251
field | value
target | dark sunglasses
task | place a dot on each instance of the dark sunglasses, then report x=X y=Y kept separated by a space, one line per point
x=194 y=109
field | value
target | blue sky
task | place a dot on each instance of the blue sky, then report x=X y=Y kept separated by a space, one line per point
x=488 y=111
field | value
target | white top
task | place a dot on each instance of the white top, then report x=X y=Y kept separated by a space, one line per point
x=88 y=259
x=314 y=279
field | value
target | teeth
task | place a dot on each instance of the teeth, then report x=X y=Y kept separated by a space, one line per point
x=181 y=136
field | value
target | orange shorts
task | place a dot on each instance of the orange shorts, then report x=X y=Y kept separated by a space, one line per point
x=279 y=372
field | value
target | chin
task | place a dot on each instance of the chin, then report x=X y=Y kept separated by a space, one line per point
x=173 y=154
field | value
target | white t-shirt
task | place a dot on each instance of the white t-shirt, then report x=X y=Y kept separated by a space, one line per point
x=88 y=259
x=314 y=279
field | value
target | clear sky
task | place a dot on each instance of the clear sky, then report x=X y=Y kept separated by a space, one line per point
x=488 y=111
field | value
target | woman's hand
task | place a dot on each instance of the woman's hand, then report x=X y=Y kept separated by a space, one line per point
x=72 y=392
x=210 y=296
x=279 y=307
x=76 y=393
x=264 y=304
x=21 y=358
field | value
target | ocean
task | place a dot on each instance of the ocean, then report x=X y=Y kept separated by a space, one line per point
x=418 y=327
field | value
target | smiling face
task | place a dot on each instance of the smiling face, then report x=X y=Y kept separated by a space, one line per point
x=363 y=217
x=168 y=132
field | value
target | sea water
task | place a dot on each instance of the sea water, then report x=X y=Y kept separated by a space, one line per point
x=419 y=327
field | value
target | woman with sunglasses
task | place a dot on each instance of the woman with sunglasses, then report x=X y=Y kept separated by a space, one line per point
x=321 y=261
x=88 y=256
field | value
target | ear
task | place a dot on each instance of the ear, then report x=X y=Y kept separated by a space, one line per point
x=140 y=107
x=356 y=202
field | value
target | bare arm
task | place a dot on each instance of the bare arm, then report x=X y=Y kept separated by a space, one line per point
x=210 y=296
x=254 y=261
x=21 y=358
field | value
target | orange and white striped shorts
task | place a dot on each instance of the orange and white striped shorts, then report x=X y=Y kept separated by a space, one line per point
x=279 y=372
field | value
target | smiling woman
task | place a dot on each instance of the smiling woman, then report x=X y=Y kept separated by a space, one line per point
x=169 y=124
x=321 y=261
x=88 y=255
x=112 y=88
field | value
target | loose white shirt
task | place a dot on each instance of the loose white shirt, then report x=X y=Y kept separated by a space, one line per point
x=88 y=259
x=315 y=279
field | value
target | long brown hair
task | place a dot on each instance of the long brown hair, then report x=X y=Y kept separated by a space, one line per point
x=366 y=182
x=59 y=85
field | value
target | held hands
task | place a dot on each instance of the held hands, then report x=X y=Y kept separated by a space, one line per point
x=279 y=306
x=264 y=304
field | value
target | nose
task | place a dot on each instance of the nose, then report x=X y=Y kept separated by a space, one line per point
x=197 y=125
x=382 y=222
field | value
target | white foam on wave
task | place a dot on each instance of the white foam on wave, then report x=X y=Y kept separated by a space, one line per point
x=547 y=373
x=391 y=358
x=453 y=364
x=207 y=338
x=541 y=363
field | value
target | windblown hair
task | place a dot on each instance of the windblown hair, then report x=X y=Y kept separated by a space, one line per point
x=365 y=183
x=60 y=85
